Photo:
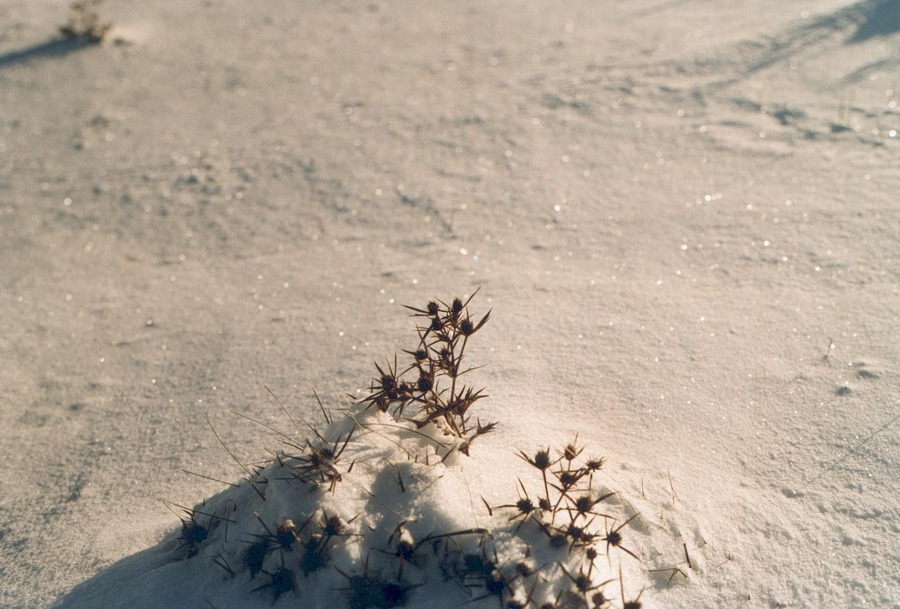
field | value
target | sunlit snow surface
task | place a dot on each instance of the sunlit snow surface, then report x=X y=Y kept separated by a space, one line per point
x=683 y=215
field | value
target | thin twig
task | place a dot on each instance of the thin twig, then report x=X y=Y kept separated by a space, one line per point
x=853 y=450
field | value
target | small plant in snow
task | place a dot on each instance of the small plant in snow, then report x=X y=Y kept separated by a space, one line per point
x=363 y=513
x=437 y=396
x=84 y=23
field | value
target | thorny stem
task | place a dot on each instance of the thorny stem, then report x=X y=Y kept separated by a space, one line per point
x=547 y=494
x=453 y=396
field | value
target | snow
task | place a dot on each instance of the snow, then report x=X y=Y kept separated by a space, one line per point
x=683 y=216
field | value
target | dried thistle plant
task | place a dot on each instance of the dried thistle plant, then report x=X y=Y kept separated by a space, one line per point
x=352 y=515
x=437 y=396
x=84 y=23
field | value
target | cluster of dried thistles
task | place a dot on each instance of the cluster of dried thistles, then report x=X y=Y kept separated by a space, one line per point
x=559 y=545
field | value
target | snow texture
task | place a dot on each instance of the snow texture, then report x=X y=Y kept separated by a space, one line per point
x=682 y=214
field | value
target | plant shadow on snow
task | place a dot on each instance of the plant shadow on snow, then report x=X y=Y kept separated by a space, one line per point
x=83 y=29
x=371 y=508
x=51 y=48
x=880 y=18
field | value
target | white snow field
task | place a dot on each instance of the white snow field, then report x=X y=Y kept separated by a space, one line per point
x=683 y=216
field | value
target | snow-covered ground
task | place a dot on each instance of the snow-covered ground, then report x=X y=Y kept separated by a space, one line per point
x=684 y=216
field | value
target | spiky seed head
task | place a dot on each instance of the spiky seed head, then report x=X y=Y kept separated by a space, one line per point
x=457 y=306
x=433 y=308
x=424 y=384
x=495 y=584
x=591 y=553
x=525 y=505
x=583 y=582
x=436 y=324
x=544 y=504
x=575 y=532
x=584 y=504
x=568 y=478
x=542 y=459
x=319 y=457
x=466 y=327
x=420 y=355
x=286 y=533
x=388 y=383
x=595 y=463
